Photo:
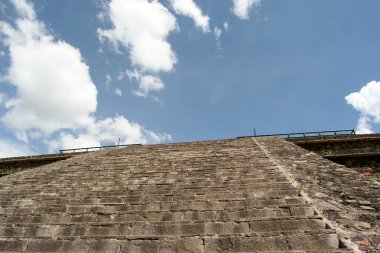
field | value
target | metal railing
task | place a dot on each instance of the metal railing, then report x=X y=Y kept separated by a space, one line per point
x=287 y=135
x=89 y=149
x=308 y=134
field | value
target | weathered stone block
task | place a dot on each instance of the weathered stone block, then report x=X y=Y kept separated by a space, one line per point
x=100 y=231
x=12 y=245
x=44 y=246
x=286 y=225
x=140 y=246
x=168 y=230
x=226 y=228
x=135 y=230
x=310 y=242
x=103 y=245
x=189 y=245
x=245 y=244
x=193 y=229
x=302 y=211
x=75 y=246
x=39 y=231
x=11 y=231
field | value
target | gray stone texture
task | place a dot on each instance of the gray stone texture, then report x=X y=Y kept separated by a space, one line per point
x=348 y=199
x=200 y=197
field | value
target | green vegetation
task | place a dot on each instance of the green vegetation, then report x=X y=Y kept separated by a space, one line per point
x=299 y=190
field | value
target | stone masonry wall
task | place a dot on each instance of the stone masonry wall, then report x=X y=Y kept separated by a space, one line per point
x=351 y=150
x=201 y=197
x=16 y=164
x=347 y=199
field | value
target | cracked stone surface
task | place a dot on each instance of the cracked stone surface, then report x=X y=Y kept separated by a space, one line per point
x=201 y=197
x=349 y=200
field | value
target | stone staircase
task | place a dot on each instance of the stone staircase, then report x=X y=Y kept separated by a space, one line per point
x=214 y=196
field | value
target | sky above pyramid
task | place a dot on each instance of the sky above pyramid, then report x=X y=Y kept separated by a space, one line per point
x=88 y=73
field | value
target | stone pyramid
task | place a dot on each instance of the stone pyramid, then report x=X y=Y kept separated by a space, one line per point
x=230 y=195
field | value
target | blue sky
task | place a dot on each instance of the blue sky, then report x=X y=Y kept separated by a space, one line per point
x=85 y=73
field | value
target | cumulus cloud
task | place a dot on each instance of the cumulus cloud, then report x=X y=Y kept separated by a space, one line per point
x=118 y=92
x=226 y=26
x=367 y=102
x=133 y=74
x=108 y=131
x=142 y=27
x=108 y=81
x=217 y=34
x=190 y=9
x=10 y=148
x=54 y=88
x=24 y=9
x=55 y=93
x=241 y=8
x=147 y=83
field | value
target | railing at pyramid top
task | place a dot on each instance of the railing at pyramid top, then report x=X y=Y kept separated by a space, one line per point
x=287 y=135
x=89 y=149
x=308 y=134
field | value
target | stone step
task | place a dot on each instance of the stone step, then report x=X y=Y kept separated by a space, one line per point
x=236 y=186
x=122 y=232
x=287 y=192
x=138 y=198
x=218 y=172
x=143 y=229
x=164 y=178
x=154 y=206
x=180 y=169
x=237 y=216
x=318 y=242
x=323 y=243
x=170 y=178
x=148 y=188
x=163 y=200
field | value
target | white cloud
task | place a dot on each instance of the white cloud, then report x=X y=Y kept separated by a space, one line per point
x=108 y=80
x=10 y=148
x=54 y=88
x=217 y=34
x=142 y=27
x=24 y=9
x=55 y=93
x=241 y=8
x=364 y=125
x=226 y=26
x=133 y=74
x=118 y=92
x=190 y=9
x=367 y=102
x=109 y=131
x=148 y=84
